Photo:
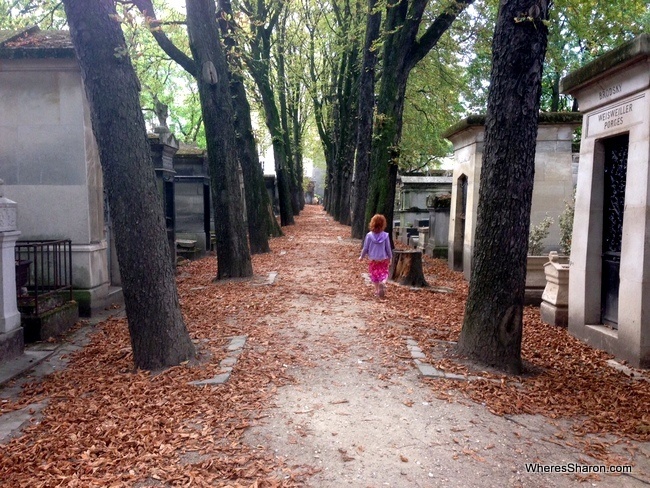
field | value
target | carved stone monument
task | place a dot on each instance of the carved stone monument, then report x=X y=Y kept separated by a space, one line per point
x=609 y=282
x=554 y=308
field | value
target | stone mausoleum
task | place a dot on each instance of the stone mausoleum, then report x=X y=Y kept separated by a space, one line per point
x=553 y=180
x=609 y=277
x=49 y=158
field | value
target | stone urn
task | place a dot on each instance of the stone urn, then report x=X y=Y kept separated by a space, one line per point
x=555 y=299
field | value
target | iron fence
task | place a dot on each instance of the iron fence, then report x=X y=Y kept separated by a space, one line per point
x=43 y=275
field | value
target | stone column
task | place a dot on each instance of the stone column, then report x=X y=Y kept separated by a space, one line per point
x=11 y=333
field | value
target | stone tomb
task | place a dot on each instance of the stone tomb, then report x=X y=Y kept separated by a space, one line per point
x=192 y=198
x=553 y=181
x=609 y=279
x=49 y=158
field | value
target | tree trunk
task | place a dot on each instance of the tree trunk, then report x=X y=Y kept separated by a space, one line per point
x=402 y=51
x=406 y=268
x=233 y=255
x=261 y=221
x=280 y=153
x=281 y=90
x=158 y=334
x=492 y=327
x=364 y=135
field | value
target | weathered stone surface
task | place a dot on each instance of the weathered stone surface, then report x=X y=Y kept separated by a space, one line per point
x=614 y=97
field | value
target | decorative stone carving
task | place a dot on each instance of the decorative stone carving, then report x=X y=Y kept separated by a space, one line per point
x=555 y=299
x=7 y=212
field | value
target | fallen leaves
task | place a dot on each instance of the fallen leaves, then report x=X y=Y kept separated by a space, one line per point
x=107 y=424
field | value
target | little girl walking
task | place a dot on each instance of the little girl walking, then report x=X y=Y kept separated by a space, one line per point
x=377 y=247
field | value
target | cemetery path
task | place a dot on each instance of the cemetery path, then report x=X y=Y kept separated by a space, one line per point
x=359 y=414
x=324 y=392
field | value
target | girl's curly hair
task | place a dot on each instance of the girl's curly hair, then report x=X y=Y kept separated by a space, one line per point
x=377 y=223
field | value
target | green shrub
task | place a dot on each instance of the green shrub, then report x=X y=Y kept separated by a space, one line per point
x=537 y=235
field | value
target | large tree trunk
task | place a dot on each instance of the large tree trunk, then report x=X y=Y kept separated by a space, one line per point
x=233 y=255
x=364 y=135
x=261 y=221
x=345 y=122
x=282 y=90
x=280 y=151
x=158 y=334
x=492 y=327
x=402 y=51
x=259 y=65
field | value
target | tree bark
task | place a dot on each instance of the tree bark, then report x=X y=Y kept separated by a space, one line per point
x=366 y=110
x=402 y=51
x=158 y=334
x=259 y=66
x=261 y=221
x=492 y=327
x=233 y=254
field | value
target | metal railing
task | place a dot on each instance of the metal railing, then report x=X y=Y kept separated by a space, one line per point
x=44 y=275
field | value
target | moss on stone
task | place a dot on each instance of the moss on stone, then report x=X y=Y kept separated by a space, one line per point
x=625 y=53
x=545 y=118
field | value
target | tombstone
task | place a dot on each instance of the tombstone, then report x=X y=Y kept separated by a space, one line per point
x=272 y=189
x=192 y=198
x=412 y=193
x=438 y=238
x=163 y=147
x=11 y=333
x=553 y=180
x=309 y=193
x=609 y=279
x=50 y=162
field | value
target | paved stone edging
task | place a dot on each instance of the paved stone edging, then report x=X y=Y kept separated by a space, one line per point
x=428 y=371
x=234 y=348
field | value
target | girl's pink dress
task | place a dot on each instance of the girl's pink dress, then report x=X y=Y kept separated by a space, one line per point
x=378 y=270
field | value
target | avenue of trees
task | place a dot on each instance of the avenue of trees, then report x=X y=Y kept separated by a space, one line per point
x=364 y=86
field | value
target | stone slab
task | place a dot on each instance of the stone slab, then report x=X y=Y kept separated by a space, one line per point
x=26 y=361
x=12 y=422
x=220 y=379
x=234 y=348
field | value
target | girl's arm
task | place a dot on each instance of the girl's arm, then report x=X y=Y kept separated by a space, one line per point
x=389 y=251
x=364 y=251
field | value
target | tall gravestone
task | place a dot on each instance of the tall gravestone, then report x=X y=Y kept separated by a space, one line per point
x=609 y=279
x=11 y=333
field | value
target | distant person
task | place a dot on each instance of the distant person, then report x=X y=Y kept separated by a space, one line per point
x=377 y=247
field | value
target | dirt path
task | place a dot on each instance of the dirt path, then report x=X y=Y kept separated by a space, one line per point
x=355 y=417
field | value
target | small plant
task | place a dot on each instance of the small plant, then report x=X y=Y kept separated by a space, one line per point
x=537 y=235
x=566 y=224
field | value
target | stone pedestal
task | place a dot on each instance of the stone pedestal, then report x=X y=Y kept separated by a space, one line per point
x=609 y=283
x=11 y=333
x=423 y=238
x=555 y=299
x=535 y=279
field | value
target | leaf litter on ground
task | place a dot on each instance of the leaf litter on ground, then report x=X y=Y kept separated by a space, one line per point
x=107 y=424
